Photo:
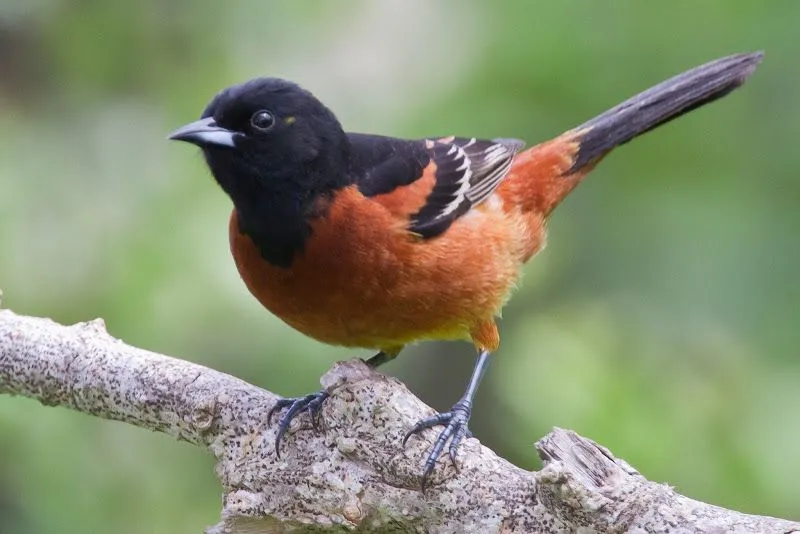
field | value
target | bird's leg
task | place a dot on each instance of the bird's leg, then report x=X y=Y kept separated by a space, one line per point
x=312 y=403
x=455 y=421
x=381 y=358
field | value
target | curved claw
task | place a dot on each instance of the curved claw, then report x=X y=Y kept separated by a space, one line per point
x=455 y=431
x=428 y=422
x=310 y=403
x=459 y=435
x=314 y=410
x=279 y=405
x=426 y=473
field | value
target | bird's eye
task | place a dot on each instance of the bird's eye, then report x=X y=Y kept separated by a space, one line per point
x=262 y=120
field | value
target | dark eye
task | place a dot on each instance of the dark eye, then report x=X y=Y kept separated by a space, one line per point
x=262 y=120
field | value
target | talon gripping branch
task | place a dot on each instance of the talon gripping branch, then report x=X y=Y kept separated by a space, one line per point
x=370 y=241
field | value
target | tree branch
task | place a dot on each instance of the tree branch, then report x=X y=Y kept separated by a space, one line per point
x=355 y=474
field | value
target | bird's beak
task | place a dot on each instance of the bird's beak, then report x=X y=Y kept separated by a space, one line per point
x=204 y=132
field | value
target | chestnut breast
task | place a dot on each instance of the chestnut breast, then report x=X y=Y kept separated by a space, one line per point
x=364 y=281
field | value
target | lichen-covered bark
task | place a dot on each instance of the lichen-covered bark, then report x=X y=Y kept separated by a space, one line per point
x=353 y=474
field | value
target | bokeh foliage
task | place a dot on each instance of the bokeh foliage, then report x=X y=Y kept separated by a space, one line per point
x=662 y=320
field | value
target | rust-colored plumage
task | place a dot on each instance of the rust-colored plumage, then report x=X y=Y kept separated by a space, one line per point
x=370 y=241
x=364 y=281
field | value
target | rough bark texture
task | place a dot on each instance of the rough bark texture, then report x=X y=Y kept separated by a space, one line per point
x=354 y=474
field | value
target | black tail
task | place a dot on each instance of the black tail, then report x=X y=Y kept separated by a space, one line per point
x=660 y=104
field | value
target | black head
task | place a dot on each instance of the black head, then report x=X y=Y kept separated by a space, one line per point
x=275 y=149
x=269 y=130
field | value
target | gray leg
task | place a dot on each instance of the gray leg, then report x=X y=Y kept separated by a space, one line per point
x=381 y=358
x=455 y=421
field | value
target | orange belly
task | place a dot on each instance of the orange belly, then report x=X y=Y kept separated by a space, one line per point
x=364 y=281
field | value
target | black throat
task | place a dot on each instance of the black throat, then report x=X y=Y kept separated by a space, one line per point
x=275 y=207
x=279 y=226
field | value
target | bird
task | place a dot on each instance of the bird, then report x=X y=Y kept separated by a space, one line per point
x=377 y=242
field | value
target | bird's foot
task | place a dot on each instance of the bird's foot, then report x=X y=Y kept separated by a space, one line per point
x=312 y=404
x=455 y=428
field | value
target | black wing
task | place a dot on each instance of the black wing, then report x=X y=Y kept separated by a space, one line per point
x=382 y=164
x=467 y=173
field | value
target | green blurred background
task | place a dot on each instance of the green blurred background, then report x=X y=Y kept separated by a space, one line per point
x=662 y=320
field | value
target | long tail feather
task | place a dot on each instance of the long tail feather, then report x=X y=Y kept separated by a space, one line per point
x=660 y=104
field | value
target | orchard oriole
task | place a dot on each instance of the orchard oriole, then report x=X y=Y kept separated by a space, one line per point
x=369 y=241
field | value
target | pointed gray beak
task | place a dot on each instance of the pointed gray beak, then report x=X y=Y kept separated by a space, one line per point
x=204 y=132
